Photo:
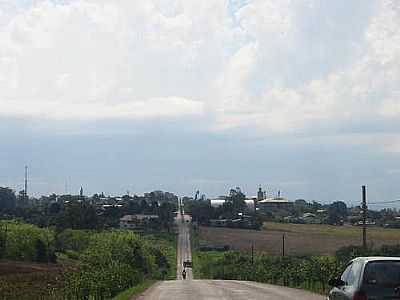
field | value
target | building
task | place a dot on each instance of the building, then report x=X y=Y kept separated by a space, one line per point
x=137 y=221
x=275 y=203
x=219 y=202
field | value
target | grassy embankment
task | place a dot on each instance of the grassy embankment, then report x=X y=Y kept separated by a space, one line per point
x=134 y=291
x=171 y=238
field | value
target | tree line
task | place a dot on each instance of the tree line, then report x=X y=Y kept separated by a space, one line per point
x=77 y=212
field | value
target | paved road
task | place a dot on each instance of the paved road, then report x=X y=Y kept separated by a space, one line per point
x=190 y=289
x=223 y=290
x=184 y=251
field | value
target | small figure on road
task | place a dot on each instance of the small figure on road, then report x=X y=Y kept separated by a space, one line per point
x=184 y=274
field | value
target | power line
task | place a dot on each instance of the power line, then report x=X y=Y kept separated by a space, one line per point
x=384 y=202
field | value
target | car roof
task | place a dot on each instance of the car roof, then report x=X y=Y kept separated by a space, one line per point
x=376 y=258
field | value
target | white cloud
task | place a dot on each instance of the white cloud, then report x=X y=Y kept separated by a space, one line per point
x=98 y=59
x=274 y=65
x=157 y=107
x=367 y=86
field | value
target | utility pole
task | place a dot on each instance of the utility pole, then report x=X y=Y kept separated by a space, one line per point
x=26 y=184
x=252 y=253
x=364 y=216
x=283 y=245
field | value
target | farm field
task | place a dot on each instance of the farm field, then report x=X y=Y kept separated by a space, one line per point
x=22 y=280
x=300 y=239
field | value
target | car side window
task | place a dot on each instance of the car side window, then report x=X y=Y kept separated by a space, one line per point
x=345 y=273
x=354 y=273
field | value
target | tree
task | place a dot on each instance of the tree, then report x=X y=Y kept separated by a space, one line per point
x=7 y=198
x=337 y=212
x=235 y=203
x=41 y=251
x=77 y=215
x=166 y=214
x=200 y=210
x=22 y=199
x=54 y=208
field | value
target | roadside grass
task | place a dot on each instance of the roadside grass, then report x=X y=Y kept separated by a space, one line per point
x=199 y=258
x=202 y=258
x=133 y=291
x=171 y=239
x=194 y=244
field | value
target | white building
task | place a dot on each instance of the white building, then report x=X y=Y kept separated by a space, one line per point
x=220 y=202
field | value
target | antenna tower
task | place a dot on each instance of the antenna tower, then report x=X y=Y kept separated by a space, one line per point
x=26 y=183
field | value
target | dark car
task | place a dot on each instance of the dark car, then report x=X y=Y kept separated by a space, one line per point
x=187 y=264
x=368 y=278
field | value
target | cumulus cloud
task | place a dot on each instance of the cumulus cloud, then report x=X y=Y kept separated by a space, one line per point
x=273 y=65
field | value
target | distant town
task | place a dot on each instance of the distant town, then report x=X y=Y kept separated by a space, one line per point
x=156 y=209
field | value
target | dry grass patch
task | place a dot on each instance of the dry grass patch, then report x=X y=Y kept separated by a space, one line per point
x=301 y=239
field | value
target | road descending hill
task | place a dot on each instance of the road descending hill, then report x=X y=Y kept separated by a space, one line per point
x=215 y=289
x=224 y=290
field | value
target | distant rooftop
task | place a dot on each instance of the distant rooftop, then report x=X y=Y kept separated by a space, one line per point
x=128 y=218
x=275 y=200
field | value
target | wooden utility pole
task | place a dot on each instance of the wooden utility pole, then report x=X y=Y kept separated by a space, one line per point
x=252 y=253
x=364 y=216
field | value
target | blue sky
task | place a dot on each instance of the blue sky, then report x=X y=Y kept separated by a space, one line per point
x=299 y=96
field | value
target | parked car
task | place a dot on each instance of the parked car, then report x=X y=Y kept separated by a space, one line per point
x=368 y=278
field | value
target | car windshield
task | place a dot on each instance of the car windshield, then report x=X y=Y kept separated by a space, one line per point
x=383 y=273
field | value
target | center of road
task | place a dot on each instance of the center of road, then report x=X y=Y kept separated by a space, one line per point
x=184 y=250
x=181 y=289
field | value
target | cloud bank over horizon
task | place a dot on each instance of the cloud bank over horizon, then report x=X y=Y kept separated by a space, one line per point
x=306 y=72
x=274 y=65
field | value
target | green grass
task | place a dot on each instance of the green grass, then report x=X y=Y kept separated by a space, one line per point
x=140 y=288
x=199 y=258
x=194 y=244
x=344 y=231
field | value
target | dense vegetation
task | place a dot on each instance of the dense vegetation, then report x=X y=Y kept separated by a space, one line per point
x=100 y=264
x=306 y=272
x=310 y=273
x=25 y=242
x=114 y=261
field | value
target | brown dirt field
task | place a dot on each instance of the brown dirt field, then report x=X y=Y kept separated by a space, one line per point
x=21 y=280
x=299 y=240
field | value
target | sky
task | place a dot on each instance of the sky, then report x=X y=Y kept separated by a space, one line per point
x=298 y=96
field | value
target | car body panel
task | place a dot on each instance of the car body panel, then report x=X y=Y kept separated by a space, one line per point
x=354 y=274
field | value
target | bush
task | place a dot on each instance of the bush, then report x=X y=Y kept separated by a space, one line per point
x=26 y=242
x=114 y=261
x=311 y=272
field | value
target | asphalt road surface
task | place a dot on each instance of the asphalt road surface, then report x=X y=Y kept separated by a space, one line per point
x=215 y=289
x=223 y=290
x=184 y=251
